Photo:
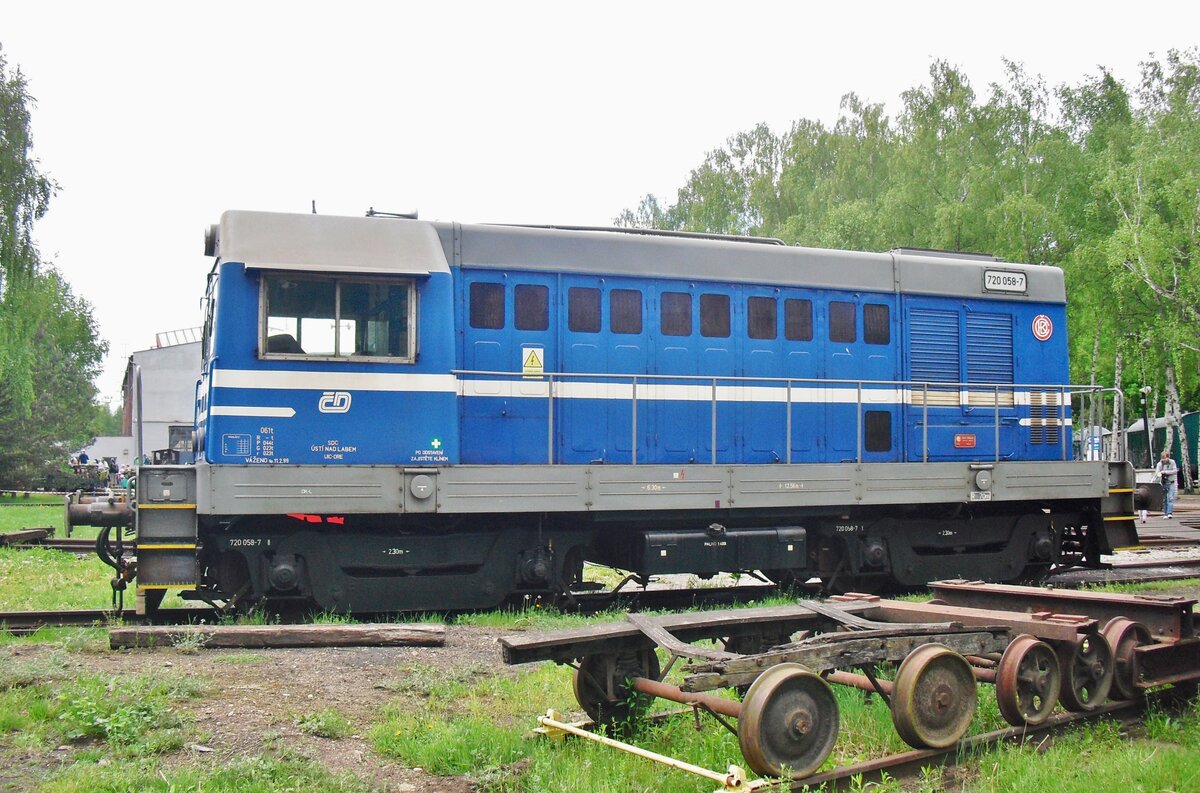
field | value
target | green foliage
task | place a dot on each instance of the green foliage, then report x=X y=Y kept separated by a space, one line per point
x=106 y=420
x=49 y=349
x=1100 y=757
x=133 y=716
x=248 y=775
x=326 y=723
x=58 y=336
x=1095 y=178
x=24 y=197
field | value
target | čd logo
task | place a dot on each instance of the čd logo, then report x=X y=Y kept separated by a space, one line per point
x=334 y=402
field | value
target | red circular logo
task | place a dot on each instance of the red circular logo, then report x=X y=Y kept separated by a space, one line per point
x=1043 y=328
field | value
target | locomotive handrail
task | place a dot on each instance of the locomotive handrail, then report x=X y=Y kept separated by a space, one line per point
x=1064 y=393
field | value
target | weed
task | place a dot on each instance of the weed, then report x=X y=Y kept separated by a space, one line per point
x=333 y=618
x=326 y=723
x=191 y=643
x=1161 y=726
x=931 y=779
x=256 y=616
x=135 y=716
x=425 y=679
x=250 y=775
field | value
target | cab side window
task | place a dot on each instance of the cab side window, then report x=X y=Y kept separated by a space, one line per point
x=322 y=317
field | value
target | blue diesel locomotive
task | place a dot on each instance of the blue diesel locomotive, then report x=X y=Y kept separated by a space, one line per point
x=402 y=415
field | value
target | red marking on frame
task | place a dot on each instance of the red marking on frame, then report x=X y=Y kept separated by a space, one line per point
x=964 y=441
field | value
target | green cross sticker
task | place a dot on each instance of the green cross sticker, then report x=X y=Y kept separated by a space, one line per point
x=436 y=443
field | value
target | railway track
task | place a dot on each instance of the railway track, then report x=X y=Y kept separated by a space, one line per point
x=1128 y=573
x=909 y=765
x=587 y=603
x=68 y=544
x=26 y=622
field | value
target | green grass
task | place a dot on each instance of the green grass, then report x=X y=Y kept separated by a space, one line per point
x=1146 y=586
x=468 y=721
x=43 y=706
x=1100 y=757
x=10 y=497
x=475 y=723
x=327 y=723
x=546 y=618
x=251 y=775
x=22 y=517
x=535 y=618
x=42 y=578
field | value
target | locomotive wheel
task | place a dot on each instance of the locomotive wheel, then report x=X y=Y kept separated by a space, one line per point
x=598 y=673
x=789 y=722
x=1123 y=637
x=934 y=698
x=1027 y=681
x=570 y=574
x=1087 y=673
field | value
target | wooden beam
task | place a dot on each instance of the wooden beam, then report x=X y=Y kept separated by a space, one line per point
x=256 y=636
x=24 y=535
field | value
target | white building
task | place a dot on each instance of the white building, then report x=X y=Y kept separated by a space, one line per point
x=168 y=374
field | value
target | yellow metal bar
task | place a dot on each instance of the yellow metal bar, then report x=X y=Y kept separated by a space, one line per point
x=733 y=779
x=162 y=586
x=167 y=547
x=1122 y=517
x=1120 y=490
x=166 y=506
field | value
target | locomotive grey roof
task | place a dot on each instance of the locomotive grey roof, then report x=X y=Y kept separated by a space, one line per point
x=380 y=245
x=276 y=241
x=615 y=253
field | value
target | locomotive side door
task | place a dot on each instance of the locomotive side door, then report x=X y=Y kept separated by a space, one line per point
x=672 y=408
x=861 y=352
x=603 y=347
x=763 y=405
x=804 y=365
x=507 y=332
x=955 y=342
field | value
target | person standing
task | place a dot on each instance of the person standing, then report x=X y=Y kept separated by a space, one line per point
x=1169 y=473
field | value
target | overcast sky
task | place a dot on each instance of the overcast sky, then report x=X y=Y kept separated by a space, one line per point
x=155 y=117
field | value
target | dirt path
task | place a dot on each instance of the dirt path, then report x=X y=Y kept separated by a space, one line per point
x=255 y=698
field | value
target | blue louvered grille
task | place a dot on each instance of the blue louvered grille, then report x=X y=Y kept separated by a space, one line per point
x=934 y=346
x=989 y=348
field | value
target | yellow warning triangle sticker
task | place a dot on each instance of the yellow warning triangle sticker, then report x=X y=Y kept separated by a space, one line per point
x=532 y=360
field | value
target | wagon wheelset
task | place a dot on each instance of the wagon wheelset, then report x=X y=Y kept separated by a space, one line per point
x=1027 y=681
x=602 y=689
x=1124 y=636
x=934 y=697
x=788 y=723
x=1087 y=672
